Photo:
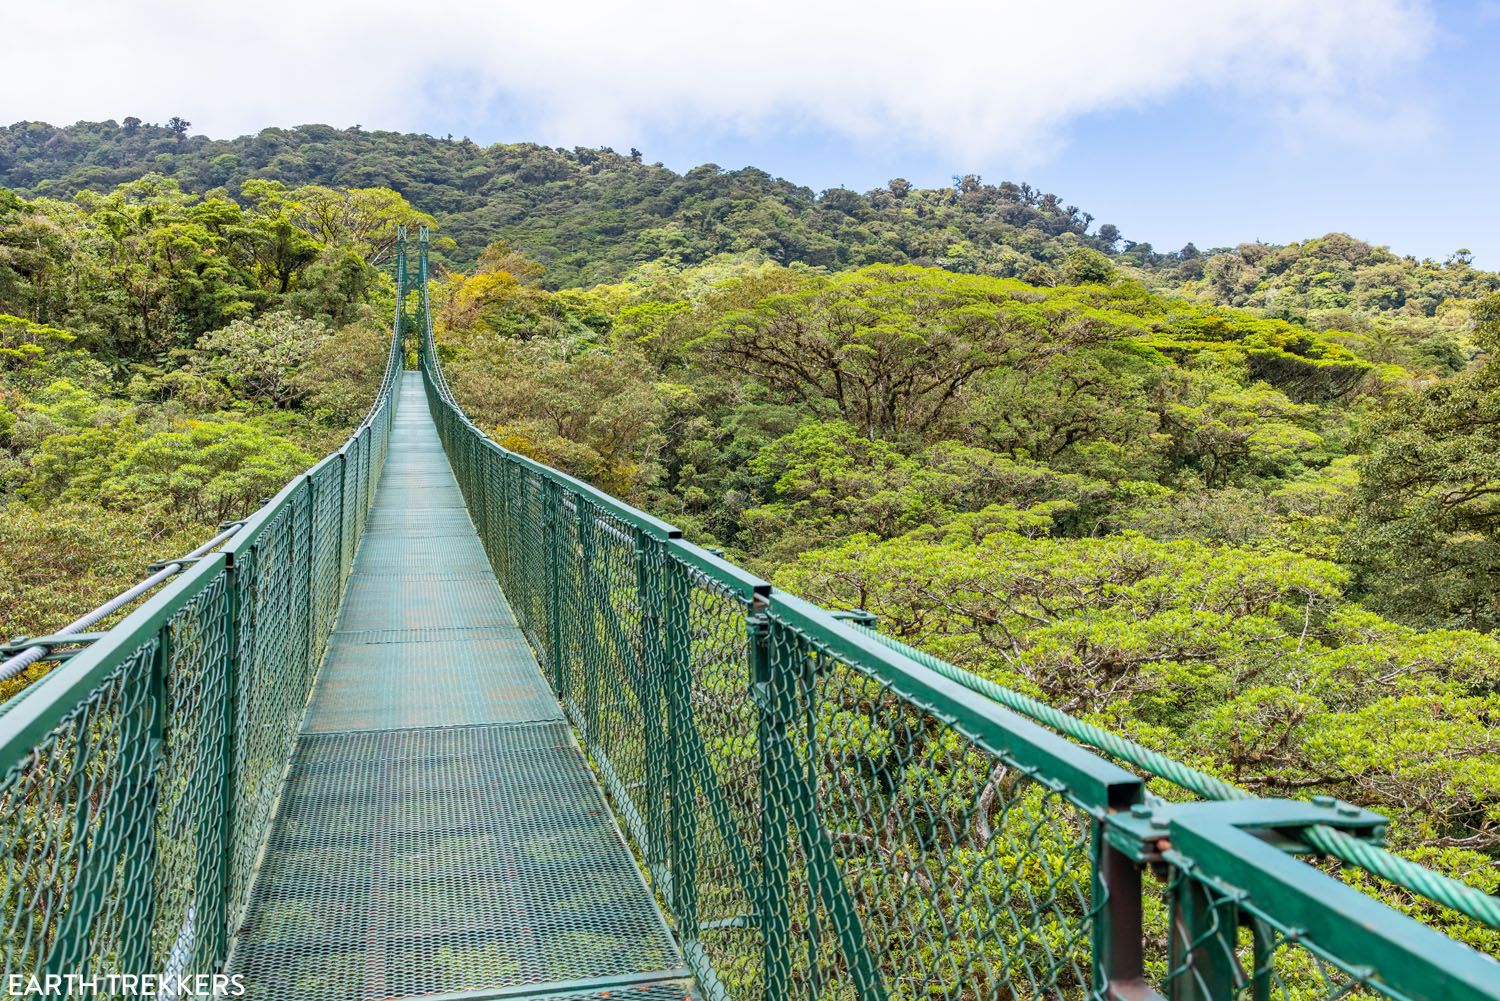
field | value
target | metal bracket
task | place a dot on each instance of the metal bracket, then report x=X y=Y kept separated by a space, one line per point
x=1144 y=832
x=52 y=643
x=182 y=561
x=186 y=561
x=858 y=616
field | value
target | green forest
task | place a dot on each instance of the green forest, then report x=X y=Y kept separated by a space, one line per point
x=1240 y=504
x=167 y=362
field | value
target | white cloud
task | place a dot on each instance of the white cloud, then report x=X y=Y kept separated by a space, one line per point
x=993 y=80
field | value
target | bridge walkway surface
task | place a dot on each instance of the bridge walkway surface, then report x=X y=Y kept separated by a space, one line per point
x=440 y=832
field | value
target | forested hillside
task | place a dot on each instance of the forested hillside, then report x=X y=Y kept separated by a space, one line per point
x=1239 y=504
x=590 y=215
x=593 y=215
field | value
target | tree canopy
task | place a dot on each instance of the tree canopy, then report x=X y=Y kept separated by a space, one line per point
x=167 y=362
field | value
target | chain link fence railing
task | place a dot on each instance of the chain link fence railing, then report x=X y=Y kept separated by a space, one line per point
x=139 y=777
x=826 y=814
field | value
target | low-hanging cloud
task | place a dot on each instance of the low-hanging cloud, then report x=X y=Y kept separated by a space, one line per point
x=997 y=80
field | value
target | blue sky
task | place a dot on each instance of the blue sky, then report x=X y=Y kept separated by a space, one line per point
x=1218 y=167
x=1176 y=120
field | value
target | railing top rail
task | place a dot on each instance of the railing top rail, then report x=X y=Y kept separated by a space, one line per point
x=632 y=516
x=739 y=581
x=263 y=515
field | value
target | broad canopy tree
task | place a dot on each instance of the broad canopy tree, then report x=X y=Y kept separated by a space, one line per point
x=894 y=350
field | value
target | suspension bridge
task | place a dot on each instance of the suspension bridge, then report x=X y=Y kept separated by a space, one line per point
x=441 y=722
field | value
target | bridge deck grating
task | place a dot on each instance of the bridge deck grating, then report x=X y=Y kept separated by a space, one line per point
x=439 y=831
x=481 y=677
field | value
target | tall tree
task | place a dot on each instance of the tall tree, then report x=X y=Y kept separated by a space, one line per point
x=1428 y=533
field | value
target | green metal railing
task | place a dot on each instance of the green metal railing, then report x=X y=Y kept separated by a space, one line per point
x=138 y=778
x=827 y=814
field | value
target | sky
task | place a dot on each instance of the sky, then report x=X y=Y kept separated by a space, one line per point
x=1211 y=121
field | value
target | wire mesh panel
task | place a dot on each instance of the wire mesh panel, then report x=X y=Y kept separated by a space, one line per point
x=610 y=681
x=325 y=580
x=714 y=775
x=530 y=577
x=112 y=822
x=191 y=807
x=836 y=840
x=273 y=680
x=919 y=858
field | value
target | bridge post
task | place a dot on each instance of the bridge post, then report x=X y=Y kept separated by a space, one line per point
x=650 y=594
x=770 y=691
x=681 y=785
x=218 y=916
x=1118 y=957
x=550 y=495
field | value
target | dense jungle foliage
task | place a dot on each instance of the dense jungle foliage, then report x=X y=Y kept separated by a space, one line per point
x=166 y=363
x=1242 y=505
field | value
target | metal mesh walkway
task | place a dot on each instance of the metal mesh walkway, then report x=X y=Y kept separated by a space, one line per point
x=439 y=832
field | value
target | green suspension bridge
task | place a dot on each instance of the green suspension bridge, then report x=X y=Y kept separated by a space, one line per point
x=439 y=721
